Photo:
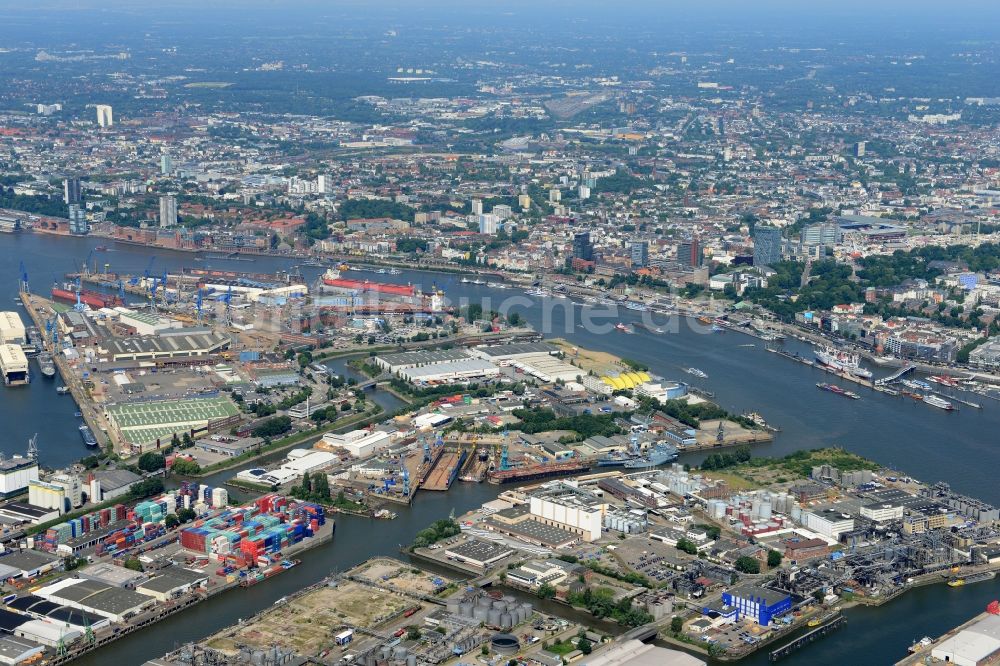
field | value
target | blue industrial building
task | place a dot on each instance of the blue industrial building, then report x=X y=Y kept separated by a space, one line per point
x=754 y=602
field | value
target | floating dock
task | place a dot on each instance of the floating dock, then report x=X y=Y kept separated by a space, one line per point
x=533 y=472
x=445 y=470
x=808 y=637
x=14 y=365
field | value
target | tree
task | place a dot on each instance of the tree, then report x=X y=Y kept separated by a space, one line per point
x=773 y=559
x=676 y=624
x=546 y=591
x=175 y=442
x=186 y=515
x=747 y=565
x=171 y=521
x=687 y=546
x=151 y=461
x=584 y=646
x=133 y=563
x=321 y=487
x=185 y=467
x=306 y=484
x=413 y=633
x=187 y=441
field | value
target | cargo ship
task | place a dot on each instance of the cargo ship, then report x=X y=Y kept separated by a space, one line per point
x=88 y=436
x=832 y=388
x=974 y=578
x=842 y=361
x=45 y=364
x=940 y=403
x=332 y=278
x=94 y=299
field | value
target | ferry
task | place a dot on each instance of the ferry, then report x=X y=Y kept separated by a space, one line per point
x=940 y=403
x=843 y=361
x=833 y=388
x=697 y=373
x=88 y=436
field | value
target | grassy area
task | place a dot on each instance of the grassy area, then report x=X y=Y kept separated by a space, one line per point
x=733 y=480
x=798 y=465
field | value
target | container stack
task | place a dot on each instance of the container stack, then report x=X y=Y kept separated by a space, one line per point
x=77 y=527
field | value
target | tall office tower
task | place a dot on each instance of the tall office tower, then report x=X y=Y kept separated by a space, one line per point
x=524 y=201
x=477 y=206
x=766 y=245
x=78 y=220
x=689 y=253
x=71 y=191
x=324 y=184
x=583 y=192
x=582 y=247
x=166 y=164
x=104 y=115
x=168 y=210
x=859 y=148
x=489 y=223
x=640 y=254
x=555 y=195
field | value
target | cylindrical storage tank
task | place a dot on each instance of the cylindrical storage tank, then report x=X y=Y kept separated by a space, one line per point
x=510 y=601
x=453 y=604
x=386 y=652
x=765 y=510
x=528 y=610
x=494 y=618
x=465 y=609
x=411 y=660
x=480 y=614
x=796 y=514
x=399 y=653
x=484 y=602
x=506 y=621
x=370 y=659
x=499 y=605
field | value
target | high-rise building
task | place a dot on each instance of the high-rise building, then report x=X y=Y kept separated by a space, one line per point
x=859 y=148
x=524 y=201
x=166 y=164
x=168 y=210
x=689 y=253
x=502 y=211
x=582 y=247
x=477 y=206
x=78 y=220
x=105 y=118
x=71 y=191
x=324 y=184
x=488 y=223
x=640 y=254
x=823 y=233
x=555 y=195
x=766 y=245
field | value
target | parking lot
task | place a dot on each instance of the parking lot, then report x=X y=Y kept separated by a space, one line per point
x=653 y=559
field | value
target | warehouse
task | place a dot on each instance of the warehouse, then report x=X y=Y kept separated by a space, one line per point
x=759 y=604
x=978 y=643
x=113 y=603
x=503 y=355
x=302 y=461
x=19 y=651
x=109 y=574
x=11 y=329
x=172 y=582
x=478 y=553
x=571 y=509
x=28 y=564
x=547 y=368
x=828 y=521
x=171 y=343
x=47 y=633
x=636 y=653
x=359 y=443
x=41 y=609
x=144 y=323
x=25 y=512
x=394 y=363
x=451 y=372
x=146 y=423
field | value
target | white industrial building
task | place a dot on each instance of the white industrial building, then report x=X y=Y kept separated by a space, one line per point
x=47 y=633
x=14 y=364
x=569 y=508
x=11 y=329
x=15 y=475
x=47 y=496
x=451 y=371
x=302 y=461
x=145 y=323
x=394 y=363
x=359 y=443
x=882 y=513
x=829 y=522
x=978 y=643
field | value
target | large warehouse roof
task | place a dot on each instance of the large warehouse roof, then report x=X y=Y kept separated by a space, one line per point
x=972 y=645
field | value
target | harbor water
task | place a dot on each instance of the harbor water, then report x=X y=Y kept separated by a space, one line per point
x=930 y=444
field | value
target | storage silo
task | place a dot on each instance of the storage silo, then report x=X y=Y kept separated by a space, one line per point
x=506 y=621
x=480 y=614
x=399 y=653
x=465 y=609
x=528 y=610
x=796 y=514
x=494 y=617
x=499 y=605
x=386 y=652
x=411 y=660
x=765 y=511
x=484 y=602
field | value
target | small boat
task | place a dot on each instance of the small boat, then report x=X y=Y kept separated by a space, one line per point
x=465 y=280
x=717 y=329
x=62 y=390
x=395 y=271
x=621 y=327
x=78 y=414
x=697 y=373
x=833 y=388
x=478 y=281
x=659 y=330
x=815 y=622
x=101 y=248
x=88 y=436
x=705 y=319
x=922 y=644
x=959 y=581
x=541 y=293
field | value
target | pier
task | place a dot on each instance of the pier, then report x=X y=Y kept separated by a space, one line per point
x=807 y=638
